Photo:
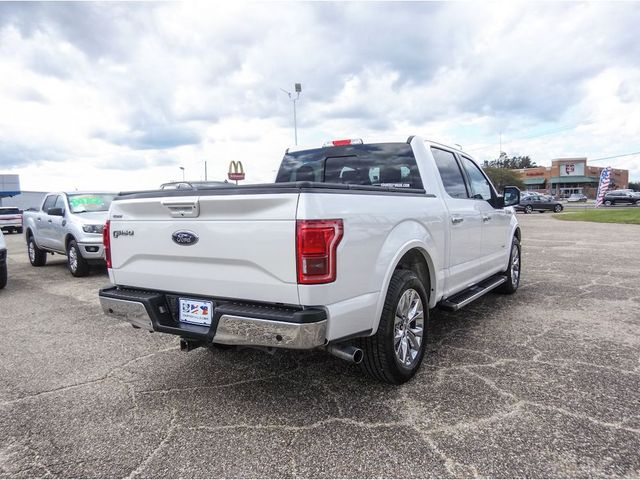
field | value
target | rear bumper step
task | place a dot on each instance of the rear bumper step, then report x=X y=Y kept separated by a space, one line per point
x=233 y=323
x=472 y=293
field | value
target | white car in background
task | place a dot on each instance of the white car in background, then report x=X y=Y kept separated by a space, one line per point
x=3 y=261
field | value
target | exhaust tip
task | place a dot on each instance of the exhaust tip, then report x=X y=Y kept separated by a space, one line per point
x=358 y=356
x=346 y=352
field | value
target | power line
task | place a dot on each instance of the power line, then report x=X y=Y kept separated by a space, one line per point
x=614 y=156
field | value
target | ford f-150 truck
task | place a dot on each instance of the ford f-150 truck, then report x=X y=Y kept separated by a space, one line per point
x=347 y=251
x=70 y=224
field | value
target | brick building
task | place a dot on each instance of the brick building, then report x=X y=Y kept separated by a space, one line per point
x=570 y=175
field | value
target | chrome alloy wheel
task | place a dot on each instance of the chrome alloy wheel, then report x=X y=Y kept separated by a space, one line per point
x=408 y=327
x=32 y=251
x=515 y=265
x=73 y=259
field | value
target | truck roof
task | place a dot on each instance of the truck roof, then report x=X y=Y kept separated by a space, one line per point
x=370 y=140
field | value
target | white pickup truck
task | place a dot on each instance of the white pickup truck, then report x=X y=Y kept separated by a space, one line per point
x=347 y=251
x=69 y=224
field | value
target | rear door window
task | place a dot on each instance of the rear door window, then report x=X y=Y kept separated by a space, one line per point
x=450 y=173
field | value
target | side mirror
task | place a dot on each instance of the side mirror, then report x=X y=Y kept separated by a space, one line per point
x=511 y=196
x=56 y=212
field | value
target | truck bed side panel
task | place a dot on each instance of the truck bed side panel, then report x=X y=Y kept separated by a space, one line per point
x=376 y=227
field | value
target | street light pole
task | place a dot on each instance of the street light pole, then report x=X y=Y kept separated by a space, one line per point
x=182 y=168
x=298 y=90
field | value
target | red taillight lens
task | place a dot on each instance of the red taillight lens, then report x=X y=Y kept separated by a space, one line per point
x=317 y=244
x=106 y=240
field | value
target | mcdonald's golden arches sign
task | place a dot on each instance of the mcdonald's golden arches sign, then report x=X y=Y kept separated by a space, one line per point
x=236 y=172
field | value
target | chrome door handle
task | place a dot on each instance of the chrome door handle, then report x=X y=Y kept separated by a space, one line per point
x=486 y=218
x=456 y=220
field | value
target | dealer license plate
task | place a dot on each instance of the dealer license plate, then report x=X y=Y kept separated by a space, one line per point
x=195 y=311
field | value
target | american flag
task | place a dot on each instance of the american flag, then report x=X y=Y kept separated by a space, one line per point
x=605 y=179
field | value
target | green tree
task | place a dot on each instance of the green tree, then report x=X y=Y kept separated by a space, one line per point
x=501 y=177
x=504 y=161
x=634 y=186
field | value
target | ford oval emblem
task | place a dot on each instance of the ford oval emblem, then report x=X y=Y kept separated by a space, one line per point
x=184 y=237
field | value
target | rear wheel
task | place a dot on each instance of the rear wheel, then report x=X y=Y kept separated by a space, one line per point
x=513 y=270
x=528 y=209
x=37 y=257
x=20 y=230
x=78 y=266
x=394 y=354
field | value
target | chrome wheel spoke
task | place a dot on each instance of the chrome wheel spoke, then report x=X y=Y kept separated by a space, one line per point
x=405 y=350
x=414 y=341
x=408 y=327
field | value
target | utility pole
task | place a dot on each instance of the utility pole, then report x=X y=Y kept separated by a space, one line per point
x=298 y=90
x=205 y=170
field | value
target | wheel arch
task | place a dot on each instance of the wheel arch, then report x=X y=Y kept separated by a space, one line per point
x=418 y=256
x=67 y=239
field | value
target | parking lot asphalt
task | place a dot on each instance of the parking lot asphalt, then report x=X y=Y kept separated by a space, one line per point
x=544 y=383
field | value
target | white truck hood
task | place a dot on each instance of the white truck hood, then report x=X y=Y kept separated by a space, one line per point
x=91 y=218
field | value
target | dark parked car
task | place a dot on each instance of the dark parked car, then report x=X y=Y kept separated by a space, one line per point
x=541 y=203
x=621 y=196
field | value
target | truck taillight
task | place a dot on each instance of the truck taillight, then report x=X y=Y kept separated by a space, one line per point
x=106 y=240
x=317 y=243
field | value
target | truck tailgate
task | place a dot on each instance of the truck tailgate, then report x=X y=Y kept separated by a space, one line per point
x=245 y=247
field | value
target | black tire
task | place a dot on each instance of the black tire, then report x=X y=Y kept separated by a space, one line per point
x=513 y=281
x=528 y=209
x=37 y=257
x=20 y=230
x=638 y=203
x=78 y=266
x=3 y=275
x=380 y=360
x=558 y=208
x=608 y=203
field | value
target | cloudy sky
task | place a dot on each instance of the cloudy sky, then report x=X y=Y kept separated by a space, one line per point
x=120 y=95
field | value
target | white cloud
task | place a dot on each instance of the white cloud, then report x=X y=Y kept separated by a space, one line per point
x=118 y=96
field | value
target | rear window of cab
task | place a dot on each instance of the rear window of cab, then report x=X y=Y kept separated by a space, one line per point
x=380 y=164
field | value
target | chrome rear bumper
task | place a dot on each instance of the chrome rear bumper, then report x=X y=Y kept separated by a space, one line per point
x=233 y=330
x=238 y=328
x=133 y=312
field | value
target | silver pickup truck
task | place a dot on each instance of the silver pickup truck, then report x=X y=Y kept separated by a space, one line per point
x=70 y=224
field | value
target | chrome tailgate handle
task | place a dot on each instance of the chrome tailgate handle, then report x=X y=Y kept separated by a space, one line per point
x=182 y=208
x=456 y=220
